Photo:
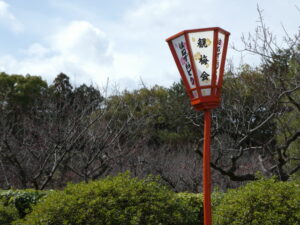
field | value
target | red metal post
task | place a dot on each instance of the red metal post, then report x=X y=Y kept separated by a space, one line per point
x=206 y=169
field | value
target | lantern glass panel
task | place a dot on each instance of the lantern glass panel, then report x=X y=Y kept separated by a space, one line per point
x=202 y=51
x=184 y=60
x=220 y=49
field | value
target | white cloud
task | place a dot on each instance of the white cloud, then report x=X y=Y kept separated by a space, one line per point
x=166 y=15
x=140 y=38
x=134 y=47
x=84 y=52
x=80 y=50
x=144 y=28
x=36 y=50
x=7 y=63
x=135 y=50
x=82 y=41
x=7 y=19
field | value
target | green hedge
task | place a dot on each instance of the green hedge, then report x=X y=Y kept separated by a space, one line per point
x=125 y=200
x=192 y=207
x=8 y=213
x=115 y=200
x=263 y=202
x=16 y=204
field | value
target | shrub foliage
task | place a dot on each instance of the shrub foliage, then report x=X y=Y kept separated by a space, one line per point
x=16 y=204
x=115 y=200
x=267 y=202
x=8 y=213
x=125 y=200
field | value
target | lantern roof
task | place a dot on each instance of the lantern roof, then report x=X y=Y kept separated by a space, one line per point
x=196 y=30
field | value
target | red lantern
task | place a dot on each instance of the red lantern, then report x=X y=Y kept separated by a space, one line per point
x=200 y=57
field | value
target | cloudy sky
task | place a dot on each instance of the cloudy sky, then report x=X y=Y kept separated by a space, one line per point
x=123 y=40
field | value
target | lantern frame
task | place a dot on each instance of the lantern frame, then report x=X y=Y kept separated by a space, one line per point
x=197 y=99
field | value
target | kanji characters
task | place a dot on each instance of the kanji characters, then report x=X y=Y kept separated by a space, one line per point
x=204 y=76
x=203 y=60
x=203 y=42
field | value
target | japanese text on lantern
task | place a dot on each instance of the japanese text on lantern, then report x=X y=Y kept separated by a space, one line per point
x=202 y=58
x=184 y=61
x=218 y=52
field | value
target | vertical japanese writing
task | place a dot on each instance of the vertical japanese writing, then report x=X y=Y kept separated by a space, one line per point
x=184 y=61
x=218 y=52
x=202 y=58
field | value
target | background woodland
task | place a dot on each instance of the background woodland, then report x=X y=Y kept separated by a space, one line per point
x=54 y=133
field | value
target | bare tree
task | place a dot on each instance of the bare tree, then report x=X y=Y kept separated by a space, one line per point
x=69 y=135
x=257 y=126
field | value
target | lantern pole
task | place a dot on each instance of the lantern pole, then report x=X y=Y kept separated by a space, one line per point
x=206 y=169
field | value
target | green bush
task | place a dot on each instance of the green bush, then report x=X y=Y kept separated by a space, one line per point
x=192 y=203
x=130 y=201
x=263 y=202
x=22 y=200
x=115 y=200
x=8 y=213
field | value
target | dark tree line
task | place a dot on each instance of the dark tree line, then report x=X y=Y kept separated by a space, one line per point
x=53 y=134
